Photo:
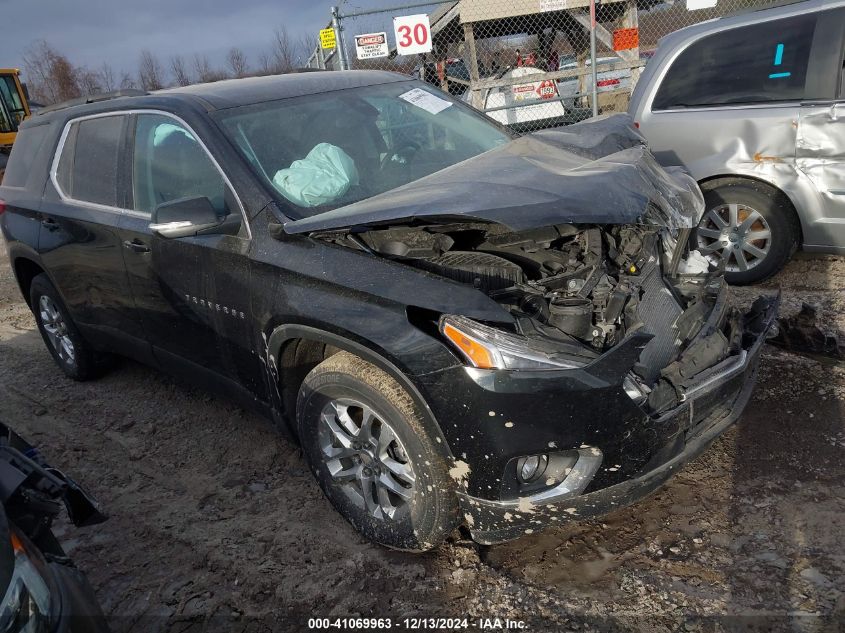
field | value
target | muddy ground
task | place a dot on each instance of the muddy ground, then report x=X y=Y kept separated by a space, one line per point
x=216 y=523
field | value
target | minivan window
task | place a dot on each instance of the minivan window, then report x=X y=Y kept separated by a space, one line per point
x=759 y=63
x=169 y=163
x=88 y=167
x=26 y=147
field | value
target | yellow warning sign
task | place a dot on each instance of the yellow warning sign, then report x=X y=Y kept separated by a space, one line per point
x=327 y=38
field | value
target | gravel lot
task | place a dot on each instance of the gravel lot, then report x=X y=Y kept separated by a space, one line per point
x=216 y=523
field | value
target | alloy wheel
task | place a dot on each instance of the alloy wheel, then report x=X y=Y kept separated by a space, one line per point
x=736 y=234
x=56 y=328
x=366 y=459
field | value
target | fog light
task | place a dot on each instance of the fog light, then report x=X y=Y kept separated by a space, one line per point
x=531 y=468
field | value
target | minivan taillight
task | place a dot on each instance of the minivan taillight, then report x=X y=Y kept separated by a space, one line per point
x=2 y=206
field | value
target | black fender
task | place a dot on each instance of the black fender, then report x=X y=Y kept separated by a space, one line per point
x=20 y=250
x=286 y=332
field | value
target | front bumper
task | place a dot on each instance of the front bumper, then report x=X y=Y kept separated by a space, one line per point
x=524 y=413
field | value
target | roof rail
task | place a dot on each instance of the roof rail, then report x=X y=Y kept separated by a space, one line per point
x=105 y=96
x=775 y=4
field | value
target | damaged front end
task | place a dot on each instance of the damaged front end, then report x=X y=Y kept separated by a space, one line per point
x=575 y=293
x=620 y=354
x=624 y=358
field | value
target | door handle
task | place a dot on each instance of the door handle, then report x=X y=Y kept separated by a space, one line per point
x=136 y=245
x=50 y=224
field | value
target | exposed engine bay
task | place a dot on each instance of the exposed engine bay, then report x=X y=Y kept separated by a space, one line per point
x=583 y=289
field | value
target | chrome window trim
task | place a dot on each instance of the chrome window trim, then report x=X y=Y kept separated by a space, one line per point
x=756 y=105
x=132 y=212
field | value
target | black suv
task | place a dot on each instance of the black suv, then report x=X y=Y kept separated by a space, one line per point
x=460 y=327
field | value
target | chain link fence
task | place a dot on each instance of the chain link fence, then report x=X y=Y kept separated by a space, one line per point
x=527 y=63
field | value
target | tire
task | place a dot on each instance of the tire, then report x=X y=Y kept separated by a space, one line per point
x=772 y=218
x=69 y=349
x=343 y=390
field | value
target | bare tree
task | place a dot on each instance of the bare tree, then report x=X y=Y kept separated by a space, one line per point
x=237 y=62
x=88 y=82
x=306 y=46
x=52 y=78
x=105 y=76
x=150 y=73
x=265 y=65
x=284 y=50
x=205 y=71
x=127 y=82
x=180 y=73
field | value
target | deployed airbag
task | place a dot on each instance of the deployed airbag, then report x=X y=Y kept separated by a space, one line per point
x=323 y=176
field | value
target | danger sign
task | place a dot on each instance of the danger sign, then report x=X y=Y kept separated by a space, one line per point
x=371 y=45
x=413 y=34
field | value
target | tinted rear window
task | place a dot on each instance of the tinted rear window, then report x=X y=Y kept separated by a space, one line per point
x=27 y=144
x=88 y=166
x=759 y=63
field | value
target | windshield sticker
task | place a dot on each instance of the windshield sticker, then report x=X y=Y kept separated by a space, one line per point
x=425 y=100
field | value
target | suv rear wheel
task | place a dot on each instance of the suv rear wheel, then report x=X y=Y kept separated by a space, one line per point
x=71 y=352
x=750 y=226
x=371 y=453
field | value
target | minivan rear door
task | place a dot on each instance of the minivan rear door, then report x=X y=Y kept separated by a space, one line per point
x=729 y=100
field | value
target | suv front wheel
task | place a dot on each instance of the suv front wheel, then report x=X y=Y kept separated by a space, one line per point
x=749 y=226
x=369 y=448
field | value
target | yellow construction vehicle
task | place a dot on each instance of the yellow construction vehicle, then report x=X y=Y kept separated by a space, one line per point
x=14 y=108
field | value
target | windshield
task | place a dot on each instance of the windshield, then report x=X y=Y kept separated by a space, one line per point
x=323 y=151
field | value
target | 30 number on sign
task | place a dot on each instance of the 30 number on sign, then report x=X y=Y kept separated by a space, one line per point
x=413 y=34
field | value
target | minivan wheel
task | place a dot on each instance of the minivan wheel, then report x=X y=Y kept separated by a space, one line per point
x=373 y=455
x=71 y=352
x=749 y=226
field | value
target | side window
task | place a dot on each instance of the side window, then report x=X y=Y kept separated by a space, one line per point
x=29 y=141
x=759 y=63
x=88 y=166
x=169 y=163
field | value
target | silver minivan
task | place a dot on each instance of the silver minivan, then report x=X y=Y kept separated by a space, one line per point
x=753 y=105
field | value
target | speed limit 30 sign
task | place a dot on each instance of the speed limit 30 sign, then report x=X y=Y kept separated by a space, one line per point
x=413 y=34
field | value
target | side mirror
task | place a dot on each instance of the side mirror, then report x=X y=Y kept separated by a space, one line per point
x=187 y=217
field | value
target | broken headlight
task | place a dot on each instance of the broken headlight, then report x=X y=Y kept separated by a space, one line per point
x=487 y=347
x=28 y=602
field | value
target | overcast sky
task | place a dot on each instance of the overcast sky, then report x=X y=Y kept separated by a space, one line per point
x=90 y=32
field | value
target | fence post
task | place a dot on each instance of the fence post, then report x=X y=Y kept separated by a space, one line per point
x=469 y=40
x=593 y=63
x=337 y=24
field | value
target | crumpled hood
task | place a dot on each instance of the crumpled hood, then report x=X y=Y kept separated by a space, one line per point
x=595 y=172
